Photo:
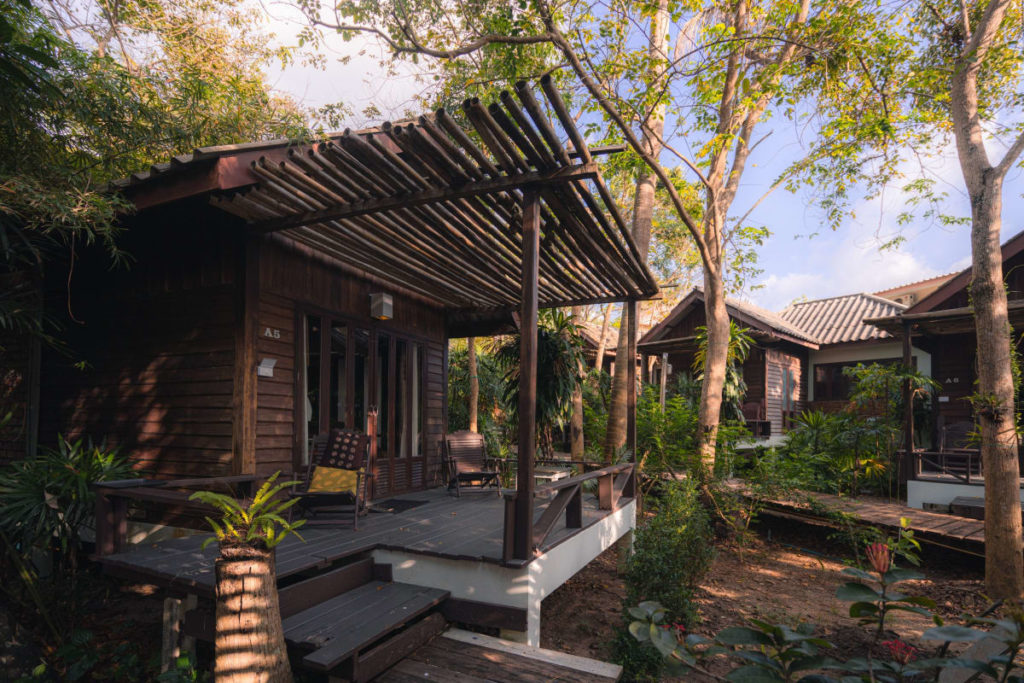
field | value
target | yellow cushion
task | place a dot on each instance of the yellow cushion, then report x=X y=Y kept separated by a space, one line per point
x=333 y=480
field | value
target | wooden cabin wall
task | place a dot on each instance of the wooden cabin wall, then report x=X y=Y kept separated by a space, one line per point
x=292 y=285
x=777 y=362
x=953 y=367
x=156 y=344
x=1013 y=276
x=754 y=375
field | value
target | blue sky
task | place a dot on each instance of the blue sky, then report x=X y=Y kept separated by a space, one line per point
x=795 y=265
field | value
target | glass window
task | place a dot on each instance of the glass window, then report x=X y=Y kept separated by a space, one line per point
x=401 y=395
x=417 y=402
x=339 y=388
x=312 y=403
x=361 y=377
x=384 y=400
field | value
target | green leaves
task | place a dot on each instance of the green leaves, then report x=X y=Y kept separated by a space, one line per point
x=259 y=522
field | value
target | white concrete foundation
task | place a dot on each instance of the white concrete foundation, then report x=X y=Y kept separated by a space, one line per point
x=942 y=493
x=523 y=588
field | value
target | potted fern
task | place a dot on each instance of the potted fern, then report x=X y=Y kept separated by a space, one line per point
x=249 y=644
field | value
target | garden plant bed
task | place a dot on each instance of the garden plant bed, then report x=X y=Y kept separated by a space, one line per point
x=787 y=580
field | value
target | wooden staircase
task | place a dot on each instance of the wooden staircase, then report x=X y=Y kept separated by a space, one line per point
x=354 y=622
x=351 y=622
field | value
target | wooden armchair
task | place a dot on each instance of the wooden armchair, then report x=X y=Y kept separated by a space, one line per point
x=464 y=455
x=336 y=480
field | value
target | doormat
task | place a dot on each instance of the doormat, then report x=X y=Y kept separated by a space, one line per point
x=397 y=505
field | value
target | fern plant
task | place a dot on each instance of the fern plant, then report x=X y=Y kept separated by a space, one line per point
x=260 y=523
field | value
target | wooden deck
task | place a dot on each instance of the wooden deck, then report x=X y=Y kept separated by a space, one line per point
x=463 y=657
x=957 y=533
x=466 y=528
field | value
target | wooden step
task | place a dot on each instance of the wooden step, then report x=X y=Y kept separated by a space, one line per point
x=338 y=628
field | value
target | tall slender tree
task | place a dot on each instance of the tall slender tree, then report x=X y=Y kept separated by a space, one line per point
x=953 y=75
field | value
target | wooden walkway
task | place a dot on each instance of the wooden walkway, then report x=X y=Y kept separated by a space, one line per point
x=459 y=656
x=465 y=528
x=957 y=533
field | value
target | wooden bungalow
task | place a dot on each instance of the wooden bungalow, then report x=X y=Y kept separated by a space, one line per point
x=845 y=341
x=774 y=371
x=277 y=290
x=942 y=323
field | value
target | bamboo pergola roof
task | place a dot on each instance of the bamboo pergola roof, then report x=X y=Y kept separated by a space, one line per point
x=425 y=206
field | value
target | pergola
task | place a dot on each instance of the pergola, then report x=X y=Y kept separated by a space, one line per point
x=488 y=223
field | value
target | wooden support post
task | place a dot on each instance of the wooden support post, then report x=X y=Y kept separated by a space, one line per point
x=908 y=408
x=604 y=492
x=111 y=523
x=243 y=402
x=574 y=512
x=523 y=536
x=631 y=309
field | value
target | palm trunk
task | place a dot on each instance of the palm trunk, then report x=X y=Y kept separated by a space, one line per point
x=643 y=212
x=710 y=410
x=249 y=644
x=599 y=357
x=576 y=422
x=474 y=385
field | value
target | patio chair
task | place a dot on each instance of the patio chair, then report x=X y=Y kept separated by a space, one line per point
x=956 y=436
x=464 y=455
x=753 y=414
x=336 y=480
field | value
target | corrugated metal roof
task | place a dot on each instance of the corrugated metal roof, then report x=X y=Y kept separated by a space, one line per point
x=841 y=319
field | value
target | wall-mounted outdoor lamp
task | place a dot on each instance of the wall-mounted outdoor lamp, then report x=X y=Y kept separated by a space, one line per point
x=381 y=307
x=266 y=367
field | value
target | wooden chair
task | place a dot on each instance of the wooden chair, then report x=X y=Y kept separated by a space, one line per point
x=957 y=436
x=336 y=480
x=464 y=454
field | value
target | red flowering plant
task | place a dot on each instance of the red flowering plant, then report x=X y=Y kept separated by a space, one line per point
x=872 y=605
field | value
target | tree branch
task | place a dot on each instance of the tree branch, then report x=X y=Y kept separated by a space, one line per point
x=1011 y=156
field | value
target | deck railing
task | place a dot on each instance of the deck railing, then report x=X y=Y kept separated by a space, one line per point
x=962 y=464
x=170 y=496
x=566 y=496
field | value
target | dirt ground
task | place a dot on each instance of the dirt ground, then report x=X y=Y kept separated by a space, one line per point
x=789 y=579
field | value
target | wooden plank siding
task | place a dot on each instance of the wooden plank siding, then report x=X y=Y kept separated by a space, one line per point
x=154 y=342
x=782 y=393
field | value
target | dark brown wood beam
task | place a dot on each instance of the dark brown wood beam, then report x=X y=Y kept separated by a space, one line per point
x=372 y=206
x=522 y=547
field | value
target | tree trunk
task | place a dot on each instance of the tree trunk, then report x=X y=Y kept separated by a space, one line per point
x=1004 y=563
x=714 y=370
x=249 y=645
x=599 y=357
x=643 y=212
x=994 y=402
x=474 y=385
x=576 y=422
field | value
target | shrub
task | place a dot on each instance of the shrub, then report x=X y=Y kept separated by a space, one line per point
x=47 y=499
x=672 y=553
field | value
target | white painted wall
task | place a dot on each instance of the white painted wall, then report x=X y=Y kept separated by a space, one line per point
x=524 y=588
x=920 y=492
x=865 y=354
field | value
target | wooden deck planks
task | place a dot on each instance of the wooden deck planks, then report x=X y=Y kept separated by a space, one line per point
x=941 y=527
x=476 y=659
x=344 y=632
x=467 y=528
